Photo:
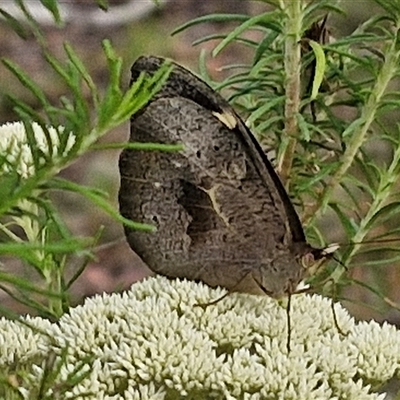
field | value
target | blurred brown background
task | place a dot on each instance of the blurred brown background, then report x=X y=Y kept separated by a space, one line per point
x=134 y=27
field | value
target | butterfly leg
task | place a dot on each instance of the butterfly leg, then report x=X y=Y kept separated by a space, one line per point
x=335 y=320
x=288 y=319
x=233 y=289
x=289 y=322
x=213 y=302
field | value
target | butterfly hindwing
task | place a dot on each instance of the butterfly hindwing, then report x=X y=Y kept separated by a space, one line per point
x=221 y=212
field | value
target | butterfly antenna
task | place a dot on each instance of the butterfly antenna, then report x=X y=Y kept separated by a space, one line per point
x=340 y=262
x=372 y=241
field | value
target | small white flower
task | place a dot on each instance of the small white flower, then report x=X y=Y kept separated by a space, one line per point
x=20 y=341
x=14 y=145
x=154 y=342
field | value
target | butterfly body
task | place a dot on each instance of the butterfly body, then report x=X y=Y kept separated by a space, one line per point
x=222 y=215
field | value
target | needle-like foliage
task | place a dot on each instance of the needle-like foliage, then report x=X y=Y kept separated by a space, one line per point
x=48 y=139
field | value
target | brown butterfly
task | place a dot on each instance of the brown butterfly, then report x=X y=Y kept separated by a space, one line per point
x=222 y=214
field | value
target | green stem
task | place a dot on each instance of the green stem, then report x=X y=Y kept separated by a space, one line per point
x=54 y=285
x=292 y=65
x=358 y=130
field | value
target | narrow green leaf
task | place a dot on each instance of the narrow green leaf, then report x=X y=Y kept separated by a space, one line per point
x=210 y=18
x=356 y=124
x=76 y=61
x=264 y=45
x=239 y=30
x=26 y=81
x=388 y=261
x=139 y=94
x=52 y=6
x=265 y=126
x=266 y=108
x=24 y=110
x=100 y=201
x=386 y=213
x=203 y=68
x=326 y=170
x=15 y=25
x=314 y=9
x=57 y=67
x=114 y=65
x=205 y=39
x=319 y=68
x=303 y=126
x=349 y=228
x=24 y=283
x=359 y=184
x=391 y=7
x=25 y=249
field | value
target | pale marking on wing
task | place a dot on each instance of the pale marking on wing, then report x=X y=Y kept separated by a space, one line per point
x=212 y=195
x=227 y=118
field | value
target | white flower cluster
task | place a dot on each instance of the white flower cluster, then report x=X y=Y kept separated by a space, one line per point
x=155 y=342
x=18 y=154
x=19 y=342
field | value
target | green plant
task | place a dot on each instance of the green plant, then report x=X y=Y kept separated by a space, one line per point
x=324 y=106
x=45 y=142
